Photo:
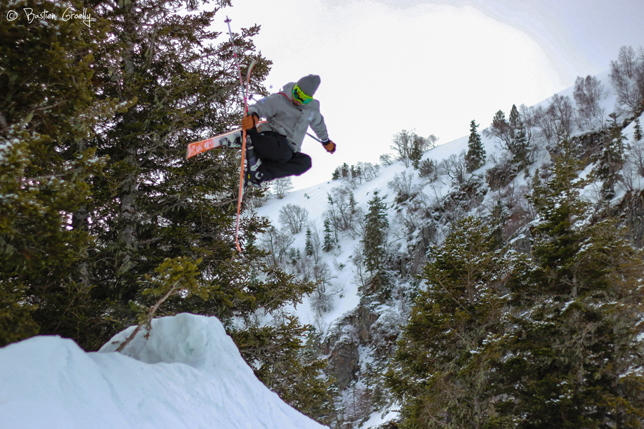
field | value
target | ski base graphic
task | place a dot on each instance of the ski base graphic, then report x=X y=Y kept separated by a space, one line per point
x=231 y=139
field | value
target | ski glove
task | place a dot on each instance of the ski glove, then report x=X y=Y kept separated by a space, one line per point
x=329 y=146
x=249 y=122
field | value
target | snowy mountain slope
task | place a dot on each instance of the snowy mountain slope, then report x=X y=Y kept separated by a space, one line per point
x=336 y=323
x=314 y=200
x=189 y=374
x=343 y=289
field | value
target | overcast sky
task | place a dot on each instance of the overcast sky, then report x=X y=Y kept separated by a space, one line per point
x=430 y=66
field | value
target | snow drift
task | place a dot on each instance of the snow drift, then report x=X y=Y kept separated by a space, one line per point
x=188 y=374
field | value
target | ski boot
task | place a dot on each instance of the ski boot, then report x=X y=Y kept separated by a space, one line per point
x=252 y=174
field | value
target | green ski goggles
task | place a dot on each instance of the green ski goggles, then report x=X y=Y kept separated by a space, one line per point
x=301 y=96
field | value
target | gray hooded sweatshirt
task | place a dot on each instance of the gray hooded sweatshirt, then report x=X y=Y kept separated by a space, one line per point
x=286 y=118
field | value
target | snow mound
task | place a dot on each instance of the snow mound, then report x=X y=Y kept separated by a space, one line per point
x=188 y=374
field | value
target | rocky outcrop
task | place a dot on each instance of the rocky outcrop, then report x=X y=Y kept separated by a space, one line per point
x=631 y=212
x=343 y=341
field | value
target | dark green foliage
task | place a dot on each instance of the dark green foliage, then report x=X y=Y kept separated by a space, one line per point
x=374 y=239
x=498 y=220
x=514 y=136
x=342 y=172
x=345 y=171
x=501 y=128
x=173 y=277
x=286 y=360
x=154 y=204
x=514 y=120
x=445 y=355
x=571 y=346
x=242 y=293
x=151 y=204
x=374 y=242
x=546 y=340
x=16 y=322
x=100 y=211
x=48 y=110
x=611 y=159
x=329 y=238
x=638 y=130
x=308 y=246
x=520 y=145
x=475 y=157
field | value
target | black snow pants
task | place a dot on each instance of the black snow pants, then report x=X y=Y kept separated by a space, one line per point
x=278 y=157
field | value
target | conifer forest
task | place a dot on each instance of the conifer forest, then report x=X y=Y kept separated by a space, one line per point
x=496 y=281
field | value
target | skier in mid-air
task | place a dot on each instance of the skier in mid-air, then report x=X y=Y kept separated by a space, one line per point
x=274 y=151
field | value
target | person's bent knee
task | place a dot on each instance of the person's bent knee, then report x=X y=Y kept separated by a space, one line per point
x=305 y=163
x=308 y=163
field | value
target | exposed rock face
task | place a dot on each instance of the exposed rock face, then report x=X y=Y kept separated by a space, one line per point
x=362 y=320
x=343 y=341
x=344 y=362
x=631 y=211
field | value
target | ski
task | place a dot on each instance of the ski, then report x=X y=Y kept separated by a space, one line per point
x=243 y=158
x=231 y=139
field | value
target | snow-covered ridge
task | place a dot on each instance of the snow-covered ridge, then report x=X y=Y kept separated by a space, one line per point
x=188 y=374
x=334 y=310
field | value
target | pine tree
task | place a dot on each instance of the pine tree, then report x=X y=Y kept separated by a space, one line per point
x=97 y=124
x=418 y=147
x=286 y=360
x=520 y=145
x=353 y=204
x=356 y=173
x=498 y=221
x=153 y=204
x=611 y=159
x=501 y=128
x=48 y=112
x=574 y=319
x=445 y=356
x=98 y=201
x=638 y=130
x=183 y=86
x=345 y=172
x=514 y=120
x=309 y=243
x=374 y=241
x=475 y=157
x=329 y=241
